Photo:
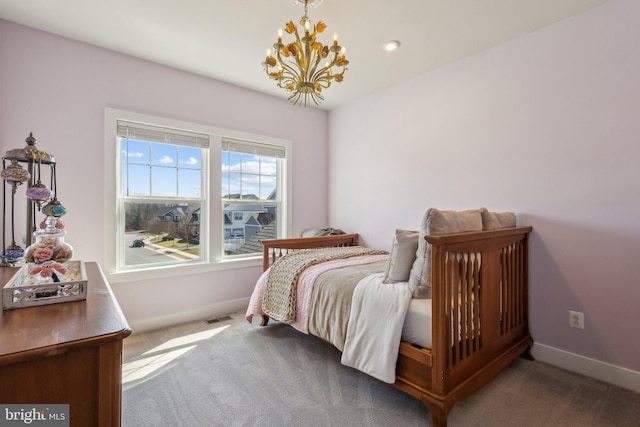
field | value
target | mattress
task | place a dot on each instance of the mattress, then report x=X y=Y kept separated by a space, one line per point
x=417 y=324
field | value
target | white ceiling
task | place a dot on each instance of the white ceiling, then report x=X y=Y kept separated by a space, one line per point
x=227 y=39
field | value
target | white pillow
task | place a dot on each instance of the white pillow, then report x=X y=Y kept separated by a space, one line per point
x=437 y=222
x=402 y=256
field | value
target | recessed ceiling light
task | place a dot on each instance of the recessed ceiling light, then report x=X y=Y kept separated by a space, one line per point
x=391 y=45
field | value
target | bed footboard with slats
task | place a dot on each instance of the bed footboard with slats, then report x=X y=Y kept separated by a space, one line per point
x=480 y=316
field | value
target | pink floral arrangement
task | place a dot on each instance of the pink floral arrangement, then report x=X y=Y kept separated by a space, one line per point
x=59 y=224
x=49 y=248
x=48 y=269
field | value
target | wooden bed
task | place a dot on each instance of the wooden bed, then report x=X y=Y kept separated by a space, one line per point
x=489 y=298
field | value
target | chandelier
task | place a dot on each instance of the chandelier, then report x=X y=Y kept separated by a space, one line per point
x=305 y=66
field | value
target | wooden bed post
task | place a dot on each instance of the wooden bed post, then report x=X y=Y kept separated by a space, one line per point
x=440 y=336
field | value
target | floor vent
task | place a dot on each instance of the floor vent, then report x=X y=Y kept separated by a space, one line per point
x=219 y=319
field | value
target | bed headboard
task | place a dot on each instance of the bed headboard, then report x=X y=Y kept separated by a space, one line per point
x=273 y=249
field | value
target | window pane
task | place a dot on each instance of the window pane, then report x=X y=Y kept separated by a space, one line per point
x=190 y=158
x=164 y=182
x=246 y=225
x=231 y=175
x=164 y=155
x=138 y=182
x=189 y=183
x=161 y=233
x=267 y=188
x=235 y=161
x=136 y=151
x=268 y=166
x=249 y=176
x=235 y=186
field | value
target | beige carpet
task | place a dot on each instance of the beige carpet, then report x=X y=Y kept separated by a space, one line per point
x=232 y=373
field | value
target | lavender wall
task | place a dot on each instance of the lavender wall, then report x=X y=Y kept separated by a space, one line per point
x=546 y=126
x=58 y=88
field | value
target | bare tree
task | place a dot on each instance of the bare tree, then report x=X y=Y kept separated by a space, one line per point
x=186 y=222
x=156 y=226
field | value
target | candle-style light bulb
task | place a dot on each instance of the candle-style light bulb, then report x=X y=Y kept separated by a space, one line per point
x=335 y=39
x=280 y=35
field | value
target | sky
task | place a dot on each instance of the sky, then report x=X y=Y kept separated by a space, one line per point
x=163 y=170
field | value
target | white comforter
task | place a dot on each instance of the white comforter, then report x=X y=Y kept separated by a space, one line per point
x=377 y=315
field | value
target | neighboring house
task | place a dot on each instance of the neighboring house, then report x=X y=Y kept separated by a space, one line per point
x=256 y=222
x=174 y=217
x=254 y=244
x=195 y=216
x=243 y=222
x=172 y=213
x=239 y=215
x=177 y=214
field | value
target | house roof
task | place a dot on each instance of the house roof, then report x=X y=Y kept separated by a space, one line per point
x=254 y=244
x=173 y=210
x=264 y=218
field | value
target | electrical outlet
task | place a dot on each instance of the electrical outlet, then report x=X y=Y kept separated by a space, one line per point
x=576 y=319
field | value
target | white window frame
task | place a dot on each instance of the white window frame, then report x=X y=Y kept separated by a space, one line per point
x=213 y=224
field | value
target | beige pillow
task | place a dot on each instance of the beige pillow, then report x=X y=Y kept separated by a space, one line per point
x=437 y=222
x=402 y=256
x=497 y=220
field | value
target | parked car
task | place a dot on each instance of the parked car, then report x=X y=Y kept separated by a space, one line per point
x=195 y=240
x=138 y=243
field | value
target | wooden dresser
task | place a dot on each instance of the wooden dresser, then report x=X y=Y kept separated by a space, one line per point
x=69 y=353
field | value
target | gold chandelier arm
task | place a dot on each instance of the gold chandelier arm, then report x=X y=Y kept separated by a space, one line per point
x=298 y=43
x=284 y=65
x=328 y=66
x=316 y=62
x=326 y=79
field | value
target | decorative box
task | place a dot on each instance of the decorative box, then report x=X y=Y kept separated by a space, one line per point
x=25 y=290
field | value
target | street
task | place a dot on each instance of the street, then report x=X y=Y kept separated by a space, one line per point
x=145 y=255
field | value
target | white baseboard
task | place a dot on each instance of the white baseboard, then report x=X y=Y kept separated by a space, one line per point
x=202 y=313
x=602 y=371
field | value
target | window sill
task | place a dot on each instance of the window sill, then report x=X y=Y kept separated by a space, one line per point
x=181 y=270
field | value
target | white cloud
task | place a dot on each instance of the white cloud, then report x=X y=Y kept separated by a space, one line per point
x=253 y=167
x=191 y=162
x=136 y=154
x=165 y=160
